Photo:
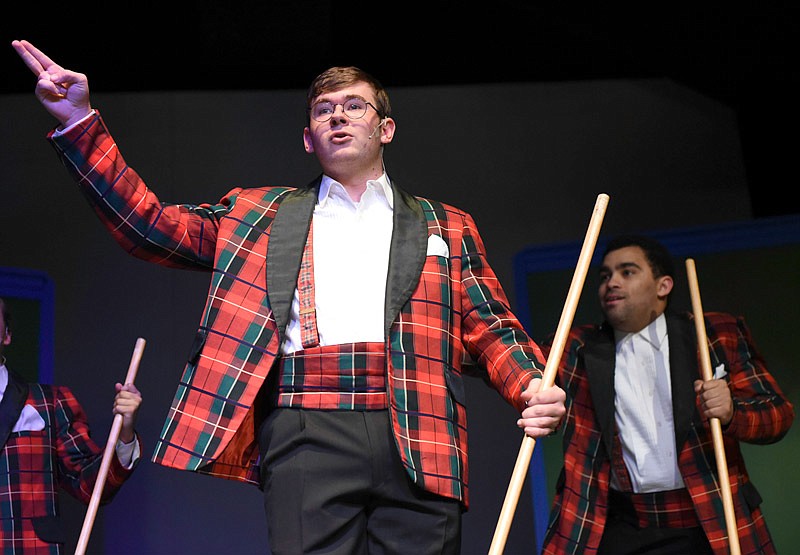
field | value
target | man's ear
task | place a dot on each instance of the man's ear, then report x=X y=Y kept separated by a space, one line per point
x=307 y=142
x=387 y=130
x=665 y=285
x=7 y=337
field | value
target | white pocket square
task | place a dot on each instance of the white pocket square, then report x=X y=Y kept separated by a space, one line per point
x=437 y=247
x=720 y=372
x=29 y=420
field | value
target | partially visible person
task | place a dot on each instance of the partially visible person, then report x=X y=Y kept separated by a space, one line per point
x=46 y=447
x=640 y=473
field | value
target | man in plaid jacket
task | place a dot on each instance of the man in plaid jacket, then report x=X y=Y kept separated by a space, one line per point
x=45 y=446
x=640 y=473
x=327 y=366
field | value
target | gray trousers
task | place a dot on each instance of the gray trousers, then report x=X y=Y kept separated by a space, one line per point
x=333 y=483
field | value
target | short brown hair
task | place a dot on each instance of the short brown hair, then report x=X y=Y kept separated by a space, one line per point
x=339 y=77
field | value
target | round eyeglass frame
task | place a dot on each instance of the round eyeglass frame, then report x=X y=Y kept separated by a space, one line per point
x=333 y=106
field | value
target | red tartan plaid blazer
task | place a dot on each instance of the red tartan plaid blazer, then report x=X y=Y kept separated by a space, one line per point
x=35 y=464
x=762 y=415
x=440 y=312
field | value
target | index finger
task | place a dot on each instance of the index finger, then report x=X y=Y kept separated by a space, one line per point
x=36 y=60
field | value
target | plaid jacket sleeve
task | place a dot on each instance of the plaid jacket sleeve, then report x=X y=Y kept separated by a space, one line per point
x=175 y=235
x=491 y=332
x=762 y=413
x=78 y=456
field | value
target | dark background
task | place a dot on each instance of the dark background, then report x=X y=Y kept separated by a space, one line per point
x=742 y=55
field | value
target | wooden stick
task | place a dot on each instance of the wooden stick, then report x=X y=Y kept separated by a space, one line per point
x=716 y=426
x=110 y=451
x=562 y=332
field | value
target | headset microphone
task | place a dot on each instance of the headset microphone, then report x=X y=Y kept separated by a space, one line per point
x=383 y=121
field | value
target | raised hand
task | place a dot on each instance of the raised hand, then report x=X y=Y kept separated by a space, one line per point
x=63 y=93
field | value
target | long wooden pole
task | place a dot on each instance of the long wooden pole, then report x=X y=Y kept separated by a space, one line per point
x=716 y=426
x=564 y=324
x=110 y=451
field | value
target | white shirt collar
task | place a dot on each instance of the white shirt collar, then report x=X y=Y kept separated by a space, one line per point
x=654 y=333
x=380 y=185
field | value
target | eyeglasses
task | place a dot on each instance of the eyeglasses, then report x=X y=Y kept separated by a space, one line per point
x=353 y=108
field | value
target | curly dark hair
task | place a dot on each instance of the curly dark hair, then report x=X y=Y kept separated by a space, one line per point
x=659 y=258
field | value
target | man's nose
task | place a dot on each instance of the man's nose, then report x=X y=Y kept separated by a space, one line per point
x=338 y=115
x=613 y=281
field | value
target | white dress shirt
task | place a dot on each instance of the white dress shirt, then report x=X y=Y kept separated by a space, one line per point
x=351 y=262
x=643 y=409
